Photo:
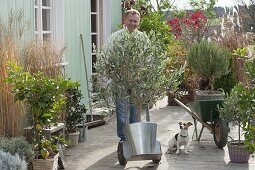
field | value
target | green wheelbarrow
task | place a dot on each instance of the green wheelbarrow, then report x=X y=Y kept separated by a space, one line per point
x=206 y=112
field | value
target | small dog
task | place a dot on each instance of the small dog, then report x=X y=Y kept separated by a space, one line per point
x=181 y=138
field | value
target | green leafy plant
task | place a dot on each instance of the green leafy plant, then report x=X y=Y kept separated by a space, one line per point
x=227 y=81
x=208 y=61
x=239 y=107
x=75 y=109
x=230 y=112
x=44 y=96
x=240 y=52
x=156 y=22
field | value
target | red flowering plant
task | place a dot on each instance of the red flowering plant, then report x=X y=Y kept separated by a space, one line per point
x=190 y=28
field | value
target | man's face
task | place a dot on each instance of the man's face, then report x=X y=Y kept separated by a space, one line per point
x=131 y=21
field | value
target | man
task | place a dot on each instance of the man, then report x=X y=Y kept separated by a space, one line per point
x=114 y=48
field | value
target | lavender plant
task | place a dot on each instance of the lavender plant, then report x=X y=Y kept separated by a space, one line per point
x=11 y=162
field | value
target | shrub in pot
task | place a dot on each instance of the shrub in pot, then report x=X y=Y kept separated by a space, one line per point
x=238 y=107
x=44 y=97
x=230 y=112
x=208 y=61
x=75 y=113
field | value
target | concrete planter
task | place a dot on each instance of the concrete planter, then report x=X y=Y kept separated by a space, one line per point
x=73 y=138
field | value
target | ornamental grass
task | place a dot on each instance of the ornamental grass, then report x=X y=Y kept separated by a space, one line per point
x=11 y=113
x=34 y=56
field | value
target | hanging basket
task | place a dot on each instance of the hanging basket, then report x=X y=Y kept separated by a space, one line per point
x=46 y=164
x=238 y=153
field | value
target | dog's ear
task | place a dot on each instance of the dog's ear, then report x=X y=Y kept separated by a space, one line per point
x=180 y=123
x=189 y=124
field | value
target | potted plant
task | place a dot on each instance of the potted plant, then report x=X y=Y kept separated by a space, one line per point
x=209 y=61
x=230 y=112
x=140 y=71
x=44 y=97
x=238 y=107
x=75 y=114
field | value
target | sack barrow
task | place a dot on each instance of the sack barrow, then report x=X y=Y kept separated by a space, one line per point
x=141 y=143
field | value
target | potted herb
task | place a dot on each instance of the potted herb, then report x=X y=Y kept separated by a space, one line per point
x=44 y=97
x=209 y=61
x=75 y=114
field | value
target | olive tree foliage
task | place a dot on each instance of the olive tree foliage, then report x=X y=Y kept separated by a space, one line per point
x=132 y=67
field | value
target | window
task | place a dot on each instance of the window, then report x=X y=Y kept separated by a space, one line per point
x=94 y=30
x=43 y=20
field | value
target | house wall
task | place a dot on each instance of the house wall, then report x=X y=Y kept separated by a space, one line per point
x=19 y=5
x=76 y=21
x=116 y=15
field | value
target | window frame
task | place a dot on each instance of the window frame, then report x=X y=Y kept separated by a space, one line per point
x=38 y=22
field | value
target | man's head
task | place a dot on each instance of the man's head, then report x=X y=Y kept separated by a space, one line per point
x=132 y=19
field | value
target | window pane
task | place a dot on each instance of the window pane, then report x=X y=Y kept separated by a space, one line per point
x=36 y=21
x=94 y=43
x=93 y=23
x=36 y=37
x=36 y=2
x=46 y=3
x=46 y=37
x=46 y=19
x=93 y=5
x=94 y=59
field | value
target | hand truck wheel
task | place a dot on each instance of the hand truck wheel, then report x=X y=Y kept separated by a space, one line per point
x=121 y=158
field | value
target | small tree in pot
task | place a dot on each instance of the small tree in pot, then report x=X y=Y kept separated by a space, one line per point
x=233 y=111
x=134 y=68
x=238 y=107
x=75 y=113
x=208 y=61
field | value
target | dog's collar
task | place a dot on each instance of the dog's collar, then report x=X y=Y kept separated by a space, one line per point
x=176 y=135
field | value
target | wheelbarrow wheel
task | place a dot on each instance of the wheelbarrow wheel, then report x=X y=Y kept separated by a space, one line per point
x=156 y=161
x=220 y=133
x=121 y=158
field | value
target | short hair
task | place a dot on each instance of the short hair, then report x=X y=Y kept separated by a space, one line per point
x=132 y=11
